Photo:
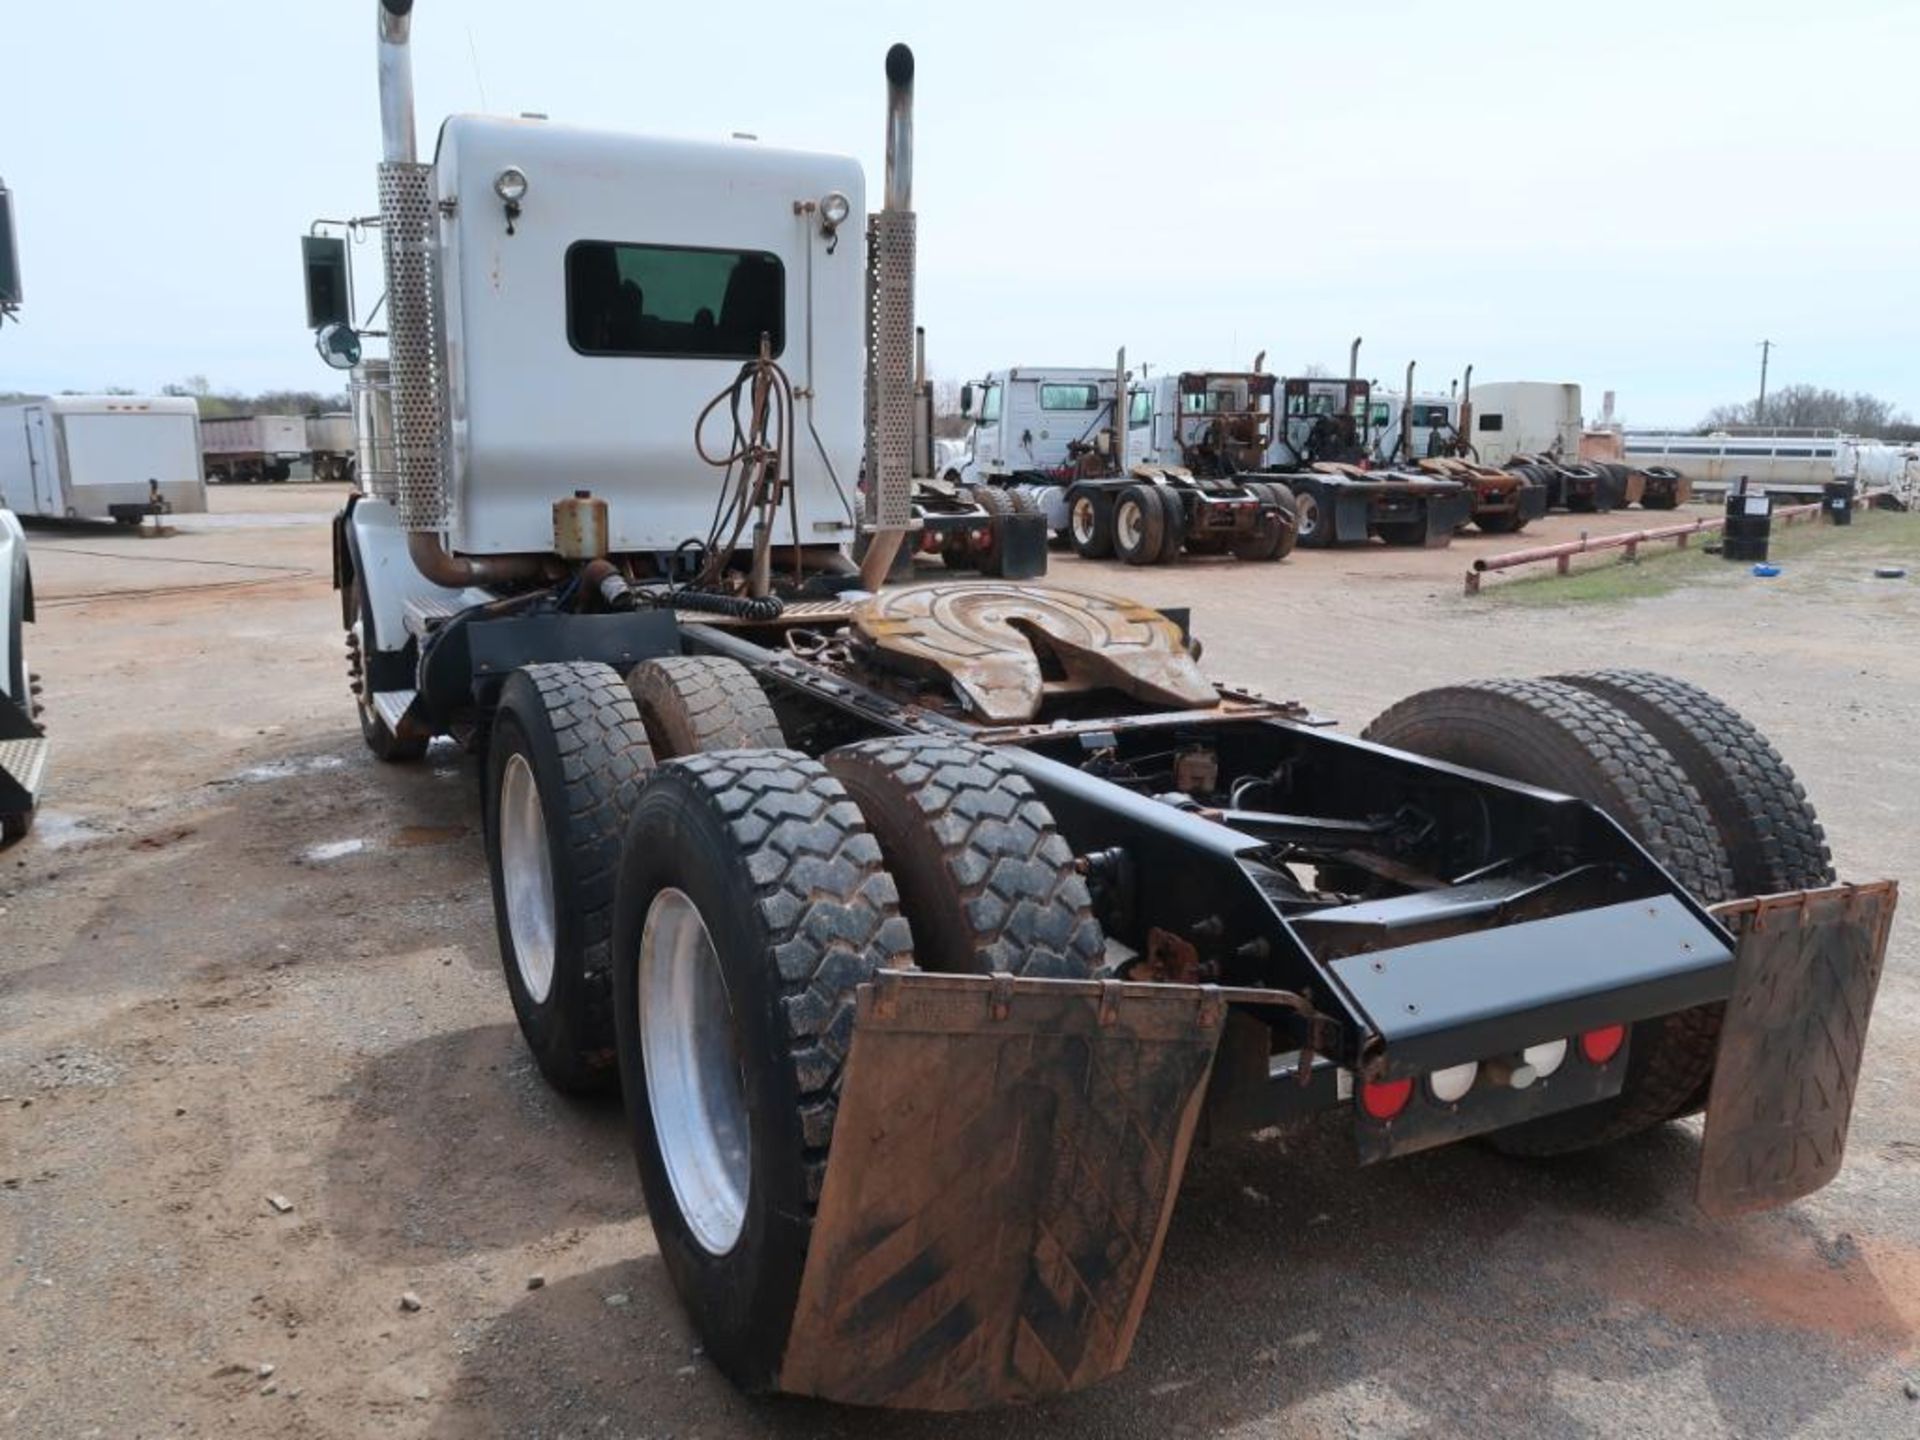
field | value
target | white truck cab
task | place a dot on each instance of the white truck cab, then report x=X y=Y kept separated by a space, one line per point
x=629 y=282
x=1526 y=417
x=1033 y=420
x=1434 y=426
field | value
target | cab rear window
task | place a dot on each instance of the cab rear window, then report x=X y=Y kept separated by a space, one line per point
x=1069 y=397
x=677 y=300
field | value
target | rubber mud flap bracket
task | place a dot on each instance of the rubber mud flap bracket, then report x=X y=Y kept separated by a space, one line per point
x=1003 y=1169
x=1807 y=965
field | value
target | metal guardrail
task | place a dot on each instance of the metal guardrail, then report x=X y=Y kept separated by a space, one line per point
x=1630 y=541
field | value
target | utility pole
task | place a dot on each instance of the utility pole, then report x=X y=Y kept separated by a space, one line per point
x=1760 y=405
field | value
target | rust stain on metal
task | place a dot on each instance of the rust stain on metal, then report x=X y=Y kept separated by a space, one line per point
x=1807 y=966
x=1005 y=647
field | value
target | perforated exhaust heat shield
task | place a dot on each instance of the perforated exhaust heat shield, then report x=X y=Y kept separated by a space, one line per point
x=409 y=231
x=890 y=355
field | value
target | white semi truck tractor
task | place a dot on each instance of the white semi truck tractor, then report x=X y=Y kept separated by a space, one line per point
x=23 y=744
x=919 y=927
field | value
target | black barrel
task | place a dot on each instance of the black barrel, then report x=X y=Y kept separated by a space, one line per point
x=1749 y=524
x=1837 y=500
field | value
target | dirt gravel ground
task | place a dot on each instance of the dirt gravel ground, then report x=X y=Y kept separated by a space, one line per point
x=259 y=1079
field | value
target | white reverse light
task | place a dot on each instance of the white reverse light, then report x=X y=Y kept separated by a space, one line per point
x=1541 y=1060
x=1454 y=1082
x=834 y=209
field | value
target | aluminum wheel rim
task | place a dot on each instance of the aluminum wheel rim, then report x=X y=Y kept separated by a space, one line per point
x=1306 y=514
x=526 y=873
x=696 y=1090
x=1083 y=519
x=1128 y=525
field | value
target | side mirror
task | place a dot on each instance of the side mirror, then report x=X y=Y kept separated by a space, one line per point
x=325 y=259
x=339 y=345
x=966 y=400
x=10 y=295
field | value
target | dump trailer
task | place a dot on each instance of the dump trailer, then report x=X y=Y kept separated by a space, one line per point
x=253 y=448
x=101 y=457
x=331 y=445
x=924 y=929
x=23 y=744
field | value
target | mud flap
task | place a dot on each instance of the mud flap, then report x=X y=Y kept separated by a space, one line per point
x=1004 y=1164
x=1806 y=967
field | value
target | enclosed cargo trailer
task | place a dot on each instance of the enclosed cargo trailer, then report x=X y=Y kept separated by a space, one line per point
x=101 y=457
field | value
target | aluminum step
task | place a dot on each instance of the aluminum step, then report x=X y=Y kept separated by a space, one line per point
x=23 y=765
x=422 y=612
x=393 y=705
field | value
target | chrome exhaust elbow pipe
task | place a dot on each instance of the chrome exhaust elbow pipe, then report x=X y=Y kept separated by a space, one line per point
x=890 y=359
x=433 y=560
x=899 y=188
x=396 y=83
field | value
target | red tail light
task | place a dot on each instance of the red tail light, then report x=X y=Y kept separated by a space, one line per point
x=1384 y=1099
x=1600 y=1046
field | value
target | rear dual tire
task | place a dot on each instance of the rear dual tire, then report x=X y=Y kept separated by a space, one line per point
x=757 y=893
x=1274 y=536
x=1090 y=523
x=1561 y=737
x=753 y=904
x=565 y=764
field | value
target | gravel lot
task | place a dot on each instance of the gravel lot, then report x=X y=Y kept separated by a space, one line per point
x=259 y=1078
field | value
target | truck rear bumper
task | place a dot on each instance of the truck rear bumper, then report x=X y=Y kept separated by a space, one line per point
x=1007 y=1152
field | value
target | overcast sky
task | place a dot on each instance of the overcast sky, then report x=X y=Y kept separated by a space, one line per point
x=1627 y=195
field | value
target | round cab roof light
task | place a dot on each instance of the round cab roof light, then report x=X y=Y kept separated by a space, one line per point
x=1450 y=1086
x=834 y=209
x=511 y=184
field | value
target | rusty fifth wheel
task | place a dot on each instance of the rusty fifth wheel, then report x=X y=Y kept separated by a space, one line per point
x=752 y=905
x=987 y=883
x=563 y=770
x=1562 y=738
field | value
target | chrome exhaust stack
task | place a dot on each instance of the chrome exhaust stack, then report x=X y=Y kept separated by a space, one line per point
x=409 y=235
x=890 y=337
x=396 y=83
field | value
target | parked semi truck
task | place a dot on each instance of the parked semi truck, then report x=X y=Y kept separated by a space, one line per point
x=1535 y=428
x=1144 y=486
x=23 y=744
x=919 y=927
x=101 y=457
x=253 y=448
x=1341 y=497
x=1422 y=433
x=1206 y=465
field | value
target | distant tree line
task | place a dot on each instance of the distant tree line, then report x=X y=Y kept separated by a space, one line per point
x=214 y=403
x=1815 y=407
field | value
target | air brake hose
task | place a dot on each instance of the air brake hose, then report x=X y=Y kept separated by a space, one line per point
x=755 y=608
